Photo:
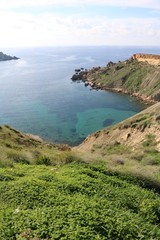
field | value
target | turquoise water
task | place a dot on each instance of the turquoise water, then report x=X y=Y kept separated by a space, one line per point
x=98 y=118
x=37 y=95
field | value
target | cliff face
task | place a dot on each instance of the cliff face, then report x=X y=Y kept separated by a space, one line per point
x=149 y=58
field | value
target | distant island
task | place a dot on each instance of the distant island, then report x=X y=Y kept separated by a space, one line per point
x=4 y=57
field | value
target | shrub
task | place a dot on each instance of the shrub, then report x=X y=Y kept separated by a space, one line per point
x=149 y=141
x=18 y=157
x=4 y=177
x=152 y=157
x=4 y=162
x=138 y=156
x=151 y=160
x=72 y=158
x=43 y=160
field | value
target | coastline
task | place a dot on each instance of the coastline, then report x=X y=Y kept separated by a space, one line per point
x=140 y=97
x=137 y=77
x=98 y=86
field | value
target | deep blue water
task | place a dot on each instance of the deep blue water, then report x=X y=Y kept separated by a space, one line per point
x=37 y=95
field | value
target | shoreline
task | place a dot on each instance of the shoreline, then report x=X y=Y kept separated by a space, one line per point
x=98 y=86
x=140 y=97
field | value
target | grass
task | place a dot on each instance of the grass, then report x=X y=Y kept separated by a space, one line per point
x=117 y=148
x=75 y=201
x=142 y=161
x=16 y=147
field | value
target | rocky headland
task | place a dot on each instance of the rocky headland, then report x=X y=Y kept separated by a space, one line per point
x=138 y=76
x=132 y=146
x=4 y=57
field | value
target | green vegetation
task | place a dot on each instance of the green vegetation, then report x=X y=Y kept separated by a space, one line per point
x=139 y=123
x=48 y=192
x=131 y=76
x=16 y=147
x=75 y=201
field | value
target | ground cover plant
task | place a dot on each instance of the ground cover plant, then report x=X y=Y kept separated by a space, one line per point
x=75 y=201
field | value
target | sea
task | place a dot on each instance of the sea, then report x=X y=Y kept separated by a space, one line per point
x=37 y=94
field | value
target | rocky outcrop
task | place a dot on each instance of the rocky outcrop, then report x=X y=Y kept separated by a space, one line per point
x=4 y=57
x=80 y=74
x=152 y=59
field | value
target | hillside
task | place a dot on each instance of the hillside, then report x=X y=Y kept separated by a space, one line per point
x=138 y=76
x=131 y=146
x=47 y=192
x=18 y=147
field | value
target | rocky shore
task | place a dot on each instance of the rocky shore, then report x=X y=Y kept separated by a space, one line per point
x=126 y=77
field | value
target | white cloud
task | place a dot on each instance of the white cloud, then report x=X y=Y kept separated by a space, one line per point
x=132 y=3
x=26 y=29
x=9 y=4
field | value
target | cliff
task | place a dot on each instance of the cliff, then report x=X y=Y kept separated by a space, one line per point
x=149 y=58
x=138 y=76
x=4 y=57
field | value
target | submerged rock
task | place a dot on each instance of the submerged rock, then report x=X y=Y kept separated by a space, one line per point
x=108 y=122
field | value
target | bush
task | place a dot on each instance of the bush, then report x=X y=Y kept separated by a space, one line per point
x=18 y=157
x=43 y=160
x=4 y=162
x=72 y=158
x=149 y=141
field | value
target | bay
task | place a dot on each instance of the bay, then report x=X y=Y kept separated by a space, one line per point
x=38 y=96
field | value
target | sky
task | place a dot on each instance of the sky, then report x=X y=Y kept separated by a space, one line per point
x=30 y=23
